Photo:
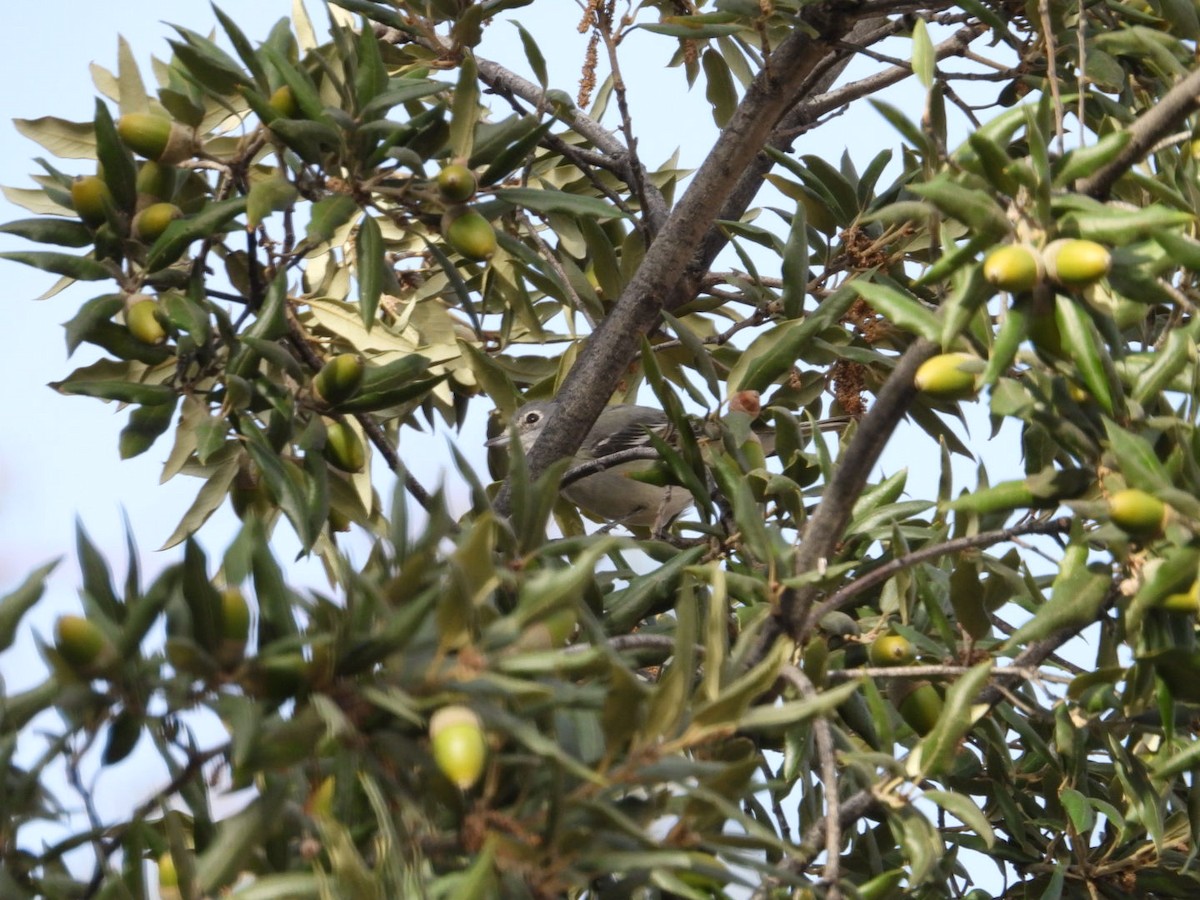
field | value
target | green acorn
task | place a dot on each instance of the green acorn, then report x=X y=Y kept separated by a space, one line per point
x=456 y=183
x=1013 y=268
x=91 y=197
x=155 y=182
x=949 y=376
x=339 y=379
x=459 y=745
x=143 y=318
x=921 y=707
x=343 y=449
x=156 y=137
x=469 y=233
x=83 y=646
x=1137 y=512
x=891 y=650
x=1076 y=263
x=152 y=221
x=283 y=101
x=235 y=627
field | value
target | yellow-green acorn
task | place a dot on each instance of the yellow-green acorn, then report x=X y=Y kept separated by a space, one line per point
x=152 y=221
x=235 y=626
x=283 y=101
x=339 y=379
x=156 y=137
x=343 y=448
x=83 y=645
x=456 y=183
x=90 y=196
x=949 y=376
x=1013 y=268
x=1137 y=512
x=249 y=495
x=1075 y=263
x=891 y=650
x=469 y=233
x=1183 y=601
x=143 y=319
x=155 y=182
x=921 y=707
x=168 y=877
x=459 y=745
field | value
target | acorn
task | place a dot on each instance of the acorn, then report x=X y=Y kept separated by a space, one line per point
x=456 y=183
x=459 y=745
x=1187 y=602
x=168 y=877
x=144 y=320
x=469 y=233
x=921 y=707
x=949 y=376
x=152 y=221
x=343 y=449
x=249 y=496
x=155 y=182
x=83 y=646
x=1013 y=268
x=891 y=650
x=283 y=101
x=1075 y=263
x=235 y=627
x=156 y=137
x=91 y=197
x=339 y=379
x=1137 y=513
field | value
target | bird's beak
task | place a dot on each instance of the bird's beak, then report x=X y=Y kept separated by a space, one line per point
x=500 y=440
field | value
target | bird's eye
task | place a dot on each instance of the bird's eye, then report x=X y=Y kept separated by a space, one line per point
x=532 y=418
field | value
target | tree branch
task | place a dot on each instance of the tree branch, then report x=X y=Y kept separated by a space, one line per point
x=593 y=378
x=1161 y=119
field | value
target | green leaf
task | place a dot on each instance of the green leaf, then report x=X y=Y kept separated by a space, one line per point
x=719 y=89
x=464 y=109
x=974 y=208
x=269 y=195
x=935 y=754
x=795 y=265
x=370 y=267
x=1083 y=343
x=64 y=232
x=533 y=55
x=81 y=268
x=172 y=243
x=328 y=215
x=1137 y=460
x=924 y=60
x=548 y=201
x=120 y=172
x=773 y=353
x=122 y=391
x=16 y=603
x=900 y=308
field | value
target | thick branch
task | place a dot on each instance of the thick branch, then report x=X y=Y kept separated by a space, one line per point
x=595 y=375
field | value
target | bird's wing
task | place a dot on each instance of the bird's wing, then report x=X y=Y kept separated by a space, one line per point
x=632 y=434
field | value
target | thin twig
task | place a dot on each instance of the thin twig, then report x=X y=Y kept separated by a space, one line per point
x=845 y=595
x=823 y=736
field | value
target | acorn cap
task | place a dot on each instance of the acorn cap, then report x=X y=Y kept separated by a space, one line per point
x=459 y=745
x=456 y=183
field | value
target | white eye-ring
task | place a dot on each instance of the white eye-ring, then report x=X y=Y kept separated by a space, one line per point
x=533 y=417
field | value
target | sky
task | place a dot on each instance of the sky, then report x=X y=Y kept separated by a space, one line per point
x=58 y=454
